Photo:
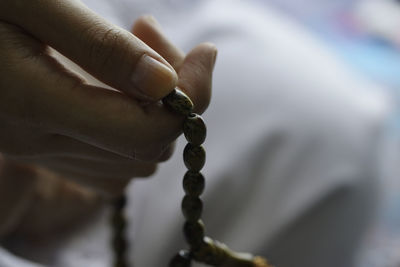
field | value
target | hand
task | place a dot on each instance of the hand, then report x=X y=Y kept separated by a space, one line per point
x=36 y=204
x=90 y=134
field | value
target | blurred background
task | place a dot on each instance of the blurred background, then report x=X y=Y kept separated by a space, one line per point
x=365 y=34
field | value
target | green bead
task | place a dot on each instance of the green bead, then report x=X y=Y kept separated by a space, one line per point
x=194 y=157
x=193 y=183
x=179 y=102
x=194 y=129
x=181 y=259
x=194 y=233
x=192 y=207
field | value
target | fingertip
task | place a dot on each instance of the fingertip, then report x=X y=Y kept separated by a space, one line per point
x=143 y=22
x=210 y=50
x=209 y=45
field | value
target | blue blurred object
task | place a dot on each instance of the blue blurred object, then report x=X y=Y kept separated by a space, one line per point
x=336 y=24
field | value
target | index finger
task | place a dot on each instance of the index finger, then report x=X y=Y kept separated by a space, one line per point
x=111 y=54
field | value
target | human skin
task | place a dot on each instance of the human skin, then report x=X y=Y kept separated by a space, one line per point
x=56 y=127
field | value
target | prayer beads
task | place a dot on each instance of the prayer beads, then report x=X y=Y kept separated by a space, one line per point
x=202 y=249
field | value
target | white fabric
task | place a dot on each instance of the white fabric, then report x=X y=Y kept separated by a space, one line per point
x=292 y=148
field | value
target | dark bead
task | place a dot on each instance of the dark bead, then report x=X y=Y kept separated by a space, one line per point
x=192 y=207
x=120 y=263
x=119 y=245
x=118 y=220
x=194 y=129
x=193 y=183
x=179 y=102
x=194 y=157
x=194 y=233
x=119 y=203
x=181 y=259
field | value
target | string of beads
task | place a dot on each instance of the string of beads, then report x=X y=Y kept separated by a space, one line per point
x=202 y=248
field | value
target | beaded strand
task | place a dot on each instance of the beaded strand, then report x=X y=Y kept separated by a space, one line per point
x=202 y=248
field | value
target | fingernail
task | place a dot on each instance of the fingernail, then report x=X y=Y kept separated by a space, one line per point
x=152 y=79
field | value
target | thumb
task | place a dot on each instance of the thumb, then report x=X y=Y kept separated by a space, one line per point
x=111 y=54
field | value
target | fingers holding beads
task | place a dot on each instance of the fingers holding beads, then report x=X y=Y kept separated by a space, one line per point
x=194 y=85
x=192 y=96
x=194 y=70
